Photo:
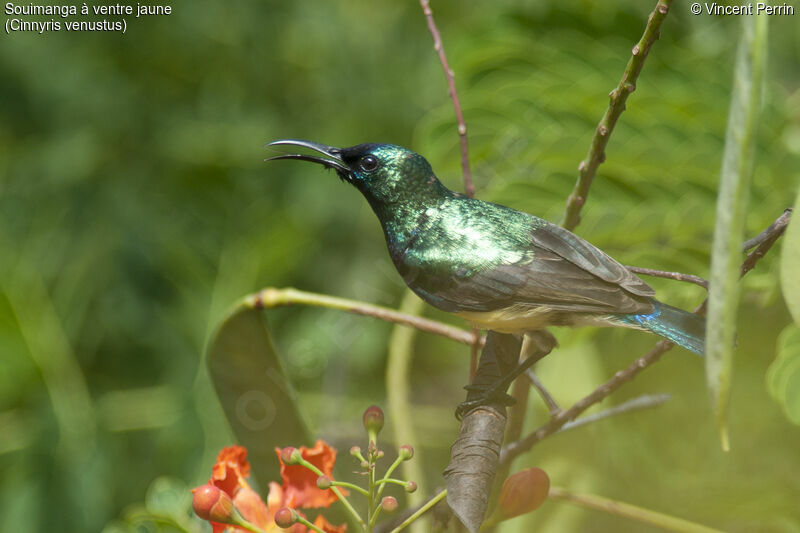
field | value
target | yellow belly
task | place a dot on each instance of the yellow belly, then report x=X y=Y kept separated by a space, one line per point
x=510 y=319
x=519 y=319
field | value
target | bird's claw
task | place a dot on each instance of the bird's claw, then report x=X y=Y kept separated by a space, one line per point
x=484 y=396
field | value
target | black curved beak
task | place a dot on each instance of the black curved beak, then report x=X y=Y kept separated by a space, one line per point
x=332 y=159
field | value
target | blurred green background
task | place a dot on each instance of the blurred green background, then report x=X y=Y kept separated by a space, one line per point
x=135 y=209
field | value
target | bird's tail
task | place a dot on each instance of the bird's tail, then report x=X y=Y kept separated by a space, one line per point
x=681 y=327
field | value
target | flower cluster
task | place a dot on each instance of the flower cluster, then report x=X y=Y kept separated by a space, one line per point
x=231 y=505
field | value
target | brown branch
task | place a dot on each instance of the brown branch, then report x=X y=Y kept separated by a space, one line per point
x=765 y=241
x=781 y=221
x=677 y=276
x=646 y=401
x=514 y=449
x=552 y=405
x=469 y=188
x=588 y=167
x=272 y=297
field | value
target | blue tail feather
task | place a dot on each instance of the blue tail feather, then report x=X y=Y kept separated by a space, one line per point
x=681 y=327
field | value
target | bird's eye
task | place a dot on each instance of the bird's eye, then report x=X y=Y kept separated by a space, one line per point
x=368 y=163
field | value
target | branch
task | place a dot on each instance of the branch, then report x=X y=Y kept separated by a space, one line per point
x=551 y=403
x=779 y=225
x=451 y=84
x=632 y=512
x=677 y=276
x=512 y=450
x=588 y=167
x=272 y=297
x=646 y=401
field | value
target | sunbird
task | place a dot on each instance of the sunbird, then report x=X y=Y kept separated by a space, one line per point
x=499 y=268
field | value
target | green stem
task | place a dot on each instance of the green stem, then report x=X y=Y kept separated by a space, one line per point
x=308 y=524
x=342 y=498
x=372 y=513
x=386 y=479
x=422 y=510
x=351 y=486
x=272 y=297
x=398 y=366
x=734 y=189
x=383 y=482
x=629 y=511
x=588 y=167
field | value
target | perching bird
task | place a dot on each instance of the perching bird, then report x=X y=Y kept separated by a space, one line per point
x=501 y=269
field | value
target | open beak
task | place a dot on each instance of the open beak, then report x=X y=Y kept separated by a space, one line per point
x=332 y=159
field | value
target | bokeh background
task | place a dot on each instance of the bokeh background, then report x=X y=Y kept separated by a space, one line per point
x=135 y=209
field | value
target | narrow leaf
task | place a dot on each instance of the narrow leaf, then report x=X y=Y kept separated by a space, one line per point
x=258 y=400
x=783 y=376
x=737 y=170
x=790 y=266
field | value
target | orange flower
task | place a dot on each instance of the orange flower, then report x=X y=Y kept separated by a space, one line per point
x=230 y=471
x=300 y=483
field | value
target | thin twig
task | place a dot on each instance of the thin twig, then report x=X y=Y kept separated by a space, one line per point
x=767 y=238
x=765 y=241
x=513 y=449
x=645 y=401
x=632 y=512
x=588 y=167
x=421 y=511
x=677 y=276
x=552 y=405
x=781 y=221
x=272 y=297
x=469 y=188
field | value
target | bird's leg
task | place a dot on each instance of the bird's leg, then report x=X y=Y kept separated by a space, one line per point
x=500 y=365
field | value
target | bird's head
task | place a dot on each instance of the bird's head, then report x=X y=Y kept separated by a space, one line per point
x=385 y=173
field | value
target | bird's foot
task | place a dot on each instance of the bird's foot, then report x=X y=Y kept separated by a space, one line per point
x=483 y=395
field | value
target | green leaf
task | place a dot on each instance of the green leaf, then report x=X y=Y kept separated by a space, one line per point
x=783 y=376
x=736 y=174
x=790 y=266
x=258 y=400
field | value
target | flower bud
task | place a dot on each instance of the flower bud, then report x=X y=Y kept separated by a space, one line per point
x=355 y=451
x=285 y=517
x=523 y=492
x=379 y=454
x=324 y=482
x=389 y=504
x=211 y=503
x=291 y=456
x=411 y=486
x=406 y=452
x=373 y=419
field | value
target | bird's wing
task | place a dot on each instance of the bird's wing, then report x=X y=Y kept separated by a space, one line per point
x=569 y=246
x=561 y=272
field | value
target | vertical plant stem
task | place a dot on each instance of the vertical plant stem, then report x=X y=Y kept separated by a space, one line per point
x=469 y=188
x=737 y=169
x=588 y=167
x=401 y=345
